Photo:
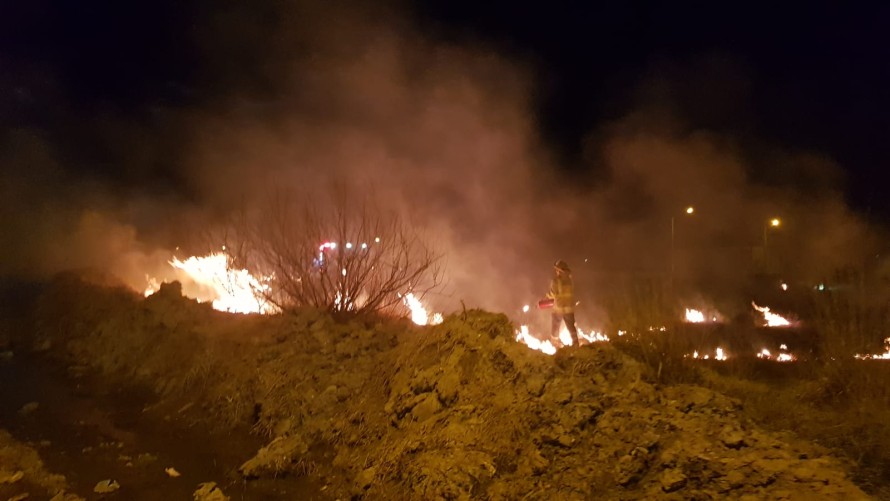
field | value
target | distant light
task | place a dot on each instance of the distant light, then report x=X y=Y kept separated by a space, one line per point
x=377 y=240
x=821 y=287
x=348 y=245
x=344 y=272
x=690 y=210
x=775 y=221
x=525 y=309
x=364 y=246
x=784 y=286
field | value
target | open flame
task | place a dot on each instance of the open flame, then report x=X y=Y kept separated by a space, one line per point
x=235 y=291
x=565 y=339
x=534 y=343
x=771 y=319
x=879 y=356
x=719 y=354
x=694 y=316
x=782 y=356
x=419 y=314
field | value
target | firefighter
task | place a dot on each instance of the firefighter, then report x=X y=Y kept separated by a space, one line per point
x=563 y=294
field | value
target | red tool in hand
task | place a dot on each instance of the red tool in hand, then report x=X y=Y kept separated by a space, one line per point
x=546 y=303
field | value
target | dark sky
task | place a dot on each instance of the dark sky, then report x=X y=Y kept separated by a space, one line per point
x=813 y=76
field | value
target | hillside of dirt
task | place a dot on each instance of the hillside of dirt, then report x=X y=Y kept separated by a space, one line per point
x=383 y=409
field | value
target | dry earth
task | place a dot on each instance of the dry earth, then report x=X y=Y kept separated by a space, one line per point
x=382 y=409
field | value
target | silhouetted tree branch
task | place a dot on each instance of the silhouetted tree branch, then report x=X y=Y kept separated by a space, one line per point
x=343 y=255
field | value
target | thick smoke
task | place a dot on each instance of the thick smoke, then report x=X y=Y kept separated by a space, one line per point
x=447 y=134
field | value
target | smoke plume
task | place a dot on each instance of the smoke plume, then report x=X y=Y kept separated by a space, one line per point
x=447 y=133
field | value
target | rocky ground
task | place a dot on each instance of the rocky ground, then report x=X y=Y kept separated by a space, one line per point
x=382 y=409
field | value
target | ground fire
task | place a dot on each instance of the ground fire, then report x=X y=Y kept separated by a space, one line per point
x=771 y=319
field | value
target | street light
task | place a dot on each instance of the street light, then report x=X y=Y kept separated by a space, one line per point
x=772 y=223
x=689 y=211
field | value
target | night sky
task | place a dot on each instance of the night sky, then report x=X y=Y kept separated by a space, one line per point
x=814 y=77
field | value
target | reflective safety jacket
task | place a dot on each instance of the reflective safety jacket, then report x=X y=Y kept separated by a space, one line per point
x=562 y=291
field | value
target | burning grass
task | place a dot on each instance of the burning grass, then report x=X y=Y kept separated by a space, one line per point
x=833 y=388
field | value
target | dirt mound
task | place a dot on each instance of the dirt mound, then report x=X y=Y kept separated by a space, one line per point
x=380 y=409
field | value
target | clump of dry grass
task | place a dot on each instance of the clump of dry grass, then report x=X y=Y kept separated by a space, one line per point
x=643 y=312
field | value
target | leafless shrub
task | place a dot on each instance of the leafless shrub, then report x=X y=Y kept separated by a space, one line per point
x=344 y=254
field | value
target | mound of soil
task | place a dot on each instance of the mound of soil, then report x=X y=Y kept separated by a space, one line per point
x=382 y=409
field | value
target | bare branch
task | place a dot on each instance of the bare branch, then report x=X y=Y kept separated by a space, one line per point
x=344 y=256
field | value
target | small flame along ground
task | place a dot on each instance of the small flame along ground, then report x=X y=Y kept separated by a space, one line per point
x=782 y=356
x=694 y=316
x=878 y=356
x=237 y=291
x=771 y=319
x=419 y=314
x=719 y=354
x=565 y=339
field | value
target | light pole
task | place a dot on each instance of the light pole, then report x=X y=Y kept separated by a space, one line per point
x=689 y=211
x=771 y=223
